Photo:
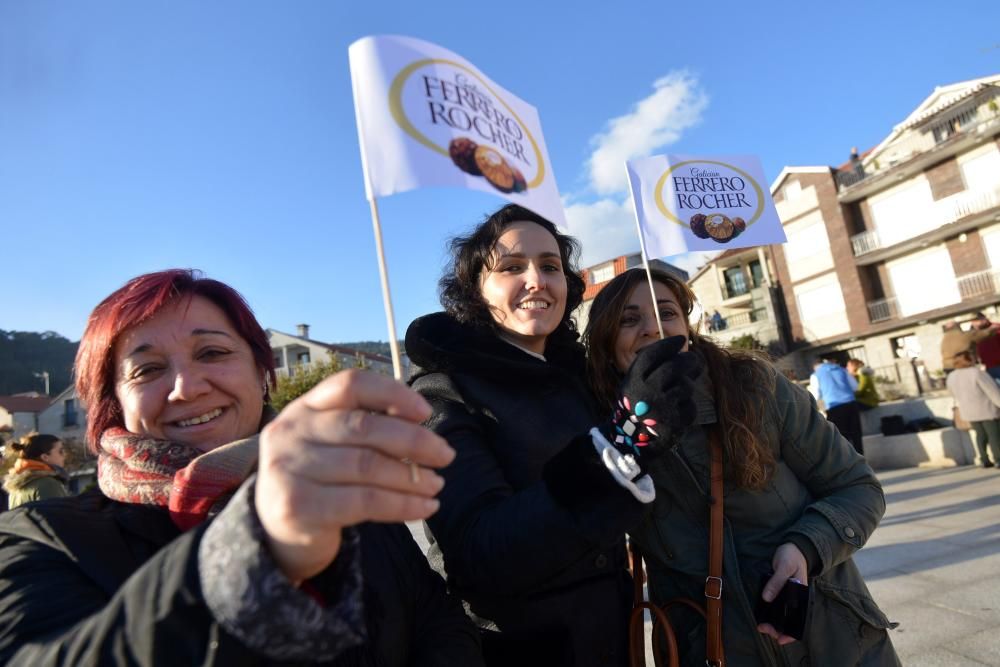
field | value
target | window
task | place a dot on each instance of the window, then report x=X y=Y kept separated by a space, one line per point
x=923 y=281
x=602 y=274
x=736 y=281
x=303 y=357
x=980 y=169
x=906 y=346
x=69 y=412
x=278 y=361
x=808 y=248
x=756 y=273
x=904 y=211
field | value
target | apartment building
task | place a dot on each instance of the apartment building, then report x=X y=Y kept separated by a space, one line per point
x=884 y=249
x=740 y=297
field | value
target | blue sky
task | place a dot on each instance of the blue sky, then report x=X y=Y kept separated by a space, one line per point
x=136 y=136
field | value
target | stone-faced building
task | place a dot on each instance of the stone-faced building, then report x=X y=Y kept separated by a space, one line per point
x=884 y=249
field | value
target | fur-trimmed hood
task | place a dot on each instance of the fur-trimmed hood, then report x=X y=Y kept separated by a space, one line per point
x=15 y=481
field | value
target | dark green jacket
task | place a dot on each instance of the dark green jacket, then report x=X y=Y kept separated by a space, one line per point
x=31 y=485
x=822 y=496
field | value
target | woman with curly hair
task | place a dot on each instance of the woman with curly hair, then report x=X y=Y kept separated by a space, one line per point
x=537 y=502
x=798 y=500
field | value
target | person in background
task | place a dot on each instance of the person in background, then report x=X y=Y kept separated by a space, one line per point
x=978 y=399
x=834 y=387
x=865 y=392
x=799 y=501
x=38 y=472
x=954 y=341
x=987 y=349
x=222 y=534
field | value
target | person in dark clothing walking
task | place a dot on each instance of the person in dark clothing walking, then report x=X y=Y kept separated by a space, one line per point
x=211 y=541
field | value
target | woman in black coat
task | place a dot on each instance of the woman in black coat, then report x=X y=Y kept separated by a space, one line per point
x=537 y=502
x=211 y=541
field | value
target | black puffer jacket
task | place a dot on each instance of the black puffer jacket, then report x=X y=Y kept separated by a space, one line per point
x=531 y=529
x=88 y=581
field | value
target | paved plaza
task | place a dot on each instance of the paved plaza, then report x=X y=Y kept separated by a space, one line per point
x=933 y=565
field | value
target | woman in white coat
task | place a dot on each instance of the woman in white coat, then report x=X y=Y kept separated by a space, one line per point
x=978 y=399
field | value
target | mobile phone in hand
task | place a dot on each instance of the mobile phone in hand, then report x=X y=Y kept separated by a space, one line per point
x=787 y=612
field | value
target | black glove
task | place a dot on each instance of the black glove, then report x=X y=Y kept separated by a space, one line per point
x=655 y=404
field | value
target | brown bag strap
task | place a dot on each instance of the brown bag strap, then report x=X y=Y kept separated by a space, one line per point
x=713 y=587
x=713 y=583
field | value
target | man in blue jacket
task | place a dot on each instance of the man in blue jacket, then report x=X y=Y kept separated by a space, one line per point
x=834 y=388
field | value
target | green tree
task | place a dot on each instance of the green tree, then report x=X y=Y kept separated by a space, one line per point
x=746 y=342
x=24 y=353
x=300 y=381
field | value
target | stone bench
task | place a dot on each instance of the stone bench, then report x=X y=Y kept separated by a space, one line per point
x=942 y=447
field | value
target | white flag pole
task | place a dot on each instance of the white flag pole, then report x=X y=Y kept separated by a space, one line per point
x=383 y=271
x=645 y=258
x=397 y=366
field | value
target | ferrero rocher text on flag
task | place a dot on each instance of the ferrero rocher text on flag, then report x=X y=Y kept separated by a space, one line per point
x=686 y=202
x=427 y=117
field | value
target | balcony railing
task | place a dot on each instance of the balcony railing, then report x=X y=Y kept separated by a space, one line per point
x=970 y=286
x=865 y=242
x=738 y=320
x=883 y=309
x=979 y=283
x=906 y=147
x=944 y=211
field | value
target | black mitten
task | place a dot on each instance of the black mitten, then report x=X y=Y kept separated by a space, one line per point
x=655 y=404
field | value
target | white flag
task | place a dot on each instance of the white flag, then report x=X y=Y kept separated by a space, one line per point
x=428 y=117
x=686 y=202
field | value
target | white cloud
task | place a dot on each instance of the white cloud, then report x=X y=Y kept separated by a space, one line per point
x=659 y=120
x=605 y=229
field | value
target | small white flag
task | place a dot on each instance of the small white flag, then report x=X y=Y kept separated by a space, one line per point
x=428 y=117
x=686 y=202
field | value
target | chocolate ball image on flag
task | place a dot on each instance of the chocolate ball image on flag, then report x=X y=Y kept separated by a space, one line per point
x=520 y=184
x=495 y=169
x=719 y=227
x=698 y=225
x=463 y=153
x=739 y=226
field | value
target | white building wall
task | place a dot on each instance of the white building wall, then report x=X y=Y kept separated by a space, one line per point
x=797 y=200
x=807 y=251
x=821 y=307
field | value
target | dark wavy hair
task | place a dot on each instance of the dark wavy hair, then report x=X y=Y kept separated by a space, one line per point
x=743 y=380
x=34 y=445
x=460 y=287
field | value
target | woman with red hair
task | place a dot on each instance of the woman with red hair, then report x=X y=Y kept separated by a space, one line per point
x=221 y=533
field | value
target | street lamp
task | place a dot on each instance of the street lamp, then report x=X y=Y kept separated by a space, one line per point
x=45 y=375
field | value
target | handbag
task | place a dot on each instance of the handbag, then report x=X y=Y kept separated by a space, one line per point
x=711 y=611
x=960 y=422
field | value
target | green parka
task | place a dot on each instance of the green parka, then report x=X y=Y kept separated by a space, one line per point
x=823 y=496
x=30 y=485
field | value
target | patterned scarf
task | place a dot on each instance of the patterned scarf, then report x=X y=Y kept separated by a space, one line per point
x=190 y=483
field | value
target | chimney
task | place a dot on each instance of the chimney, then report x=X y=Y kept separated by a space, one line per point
x=303 y=330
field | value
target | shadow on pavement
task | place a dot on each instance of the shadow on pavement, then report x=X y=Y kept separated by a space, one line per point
x=943 y=510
